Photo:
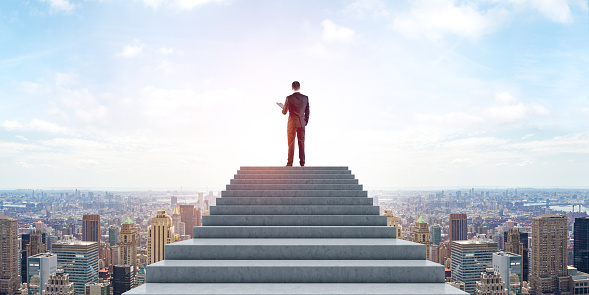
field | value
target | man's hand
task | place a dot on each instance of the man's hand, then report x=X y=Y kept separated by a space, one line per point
x=281 y=105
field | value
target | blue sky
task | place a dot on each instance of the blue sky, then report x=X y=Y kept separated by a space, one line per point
x=171 y=93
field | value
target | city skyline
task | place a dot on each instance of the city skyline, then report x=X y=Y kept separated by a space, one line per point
x=170 y=94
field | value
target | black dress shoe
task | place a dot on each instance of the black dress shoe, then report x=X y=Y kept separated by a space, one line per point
x=288 y=165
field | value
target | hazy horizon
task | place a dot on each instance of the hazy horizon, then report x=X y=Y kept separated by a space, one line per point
x=180 y=93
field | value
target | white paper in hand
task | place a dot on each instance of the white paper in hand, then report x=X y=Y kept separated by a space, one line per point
x=281 y=105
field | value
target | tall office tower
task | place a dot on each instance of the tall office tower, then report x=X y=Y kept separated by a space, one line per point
x=123 y=279
x=470 y=258
x=97 y=289
x=436 y=234
x=41 y=266
x=113 y=235
x=173 y=201
x=160 y=233
x=421 y=234
x=59 y=284
x=516 y=242
x=509 y=266
x=91 y=228
x=128 y=243
x=443 y=252
x=549 y=255
x=32 y=244
x=79 y=259
x=490 y=284
x=188 y=217
x=177 y=223
x=9 y=275
x=581 y=248
x=393 y=220
x=458 y=227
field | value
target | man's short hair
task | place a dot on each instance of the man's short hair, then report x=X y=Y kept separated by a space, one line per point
x=296 y=85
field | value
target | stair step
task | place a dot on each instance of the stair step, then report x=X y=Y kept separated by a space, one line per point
x=305 y=232
x=295 y=271
x=294 y=210
x=296 y=289
x=294 y=201
x=281 y=168
x=293 y=193
x=309 y=172
x=295 y=249
x=294 y=220
x=293 y=176
x=258 y=187
x=293 y=181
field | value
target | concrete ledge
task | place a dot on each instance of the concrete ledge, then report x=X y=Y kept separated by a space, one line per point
x=308 y=232
x=294 y=210
x=295 y=271
x=294 y=220
x=293 y=181
x=295 y=249
x=353 y=187
x=354 y=201
x=296 y=289
x=281 y=168
x=293 y=176
x=294 y=193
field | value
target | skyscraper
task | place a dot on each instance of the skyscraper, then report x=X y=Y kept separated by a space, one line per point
x=128 y=243
x=123 y=279
x=159 y=234
x=59 y=284
x=581 y=249
x=177 y=223
x=79 y=259
x=470 y=258
x=458 y=227
x=549 y=255
x=436 y=230
x=393 y=220
x=187 y=215
x=97 y=289
x=516 y=242
x=509 y=266
x=113 y=235
x=490 y=284
x=173 y=201
x=41 y=266
x=421 y=234
x=91 y=228
x=32 y=244
x=9 y=276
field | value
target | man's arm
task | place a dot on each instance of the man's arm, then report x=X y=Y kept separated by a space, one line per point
x=307 y=113
x=285 y=107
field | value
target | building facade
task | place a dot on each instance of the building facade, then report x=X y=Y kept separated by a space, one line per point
x=59 y=284
x=421 y=235
x=436 y=230
x=113 y=235
x=123 y=279
x=128 y=243
x=581 y=248
x=91 y=228
x=41 y=267
x=549 y=255
x=458 y=227
x=179 y=226
x=79 y=259
x=490 y=284
x=32 y=243
x=509 y=266
x=9 y=276
x=188 y=216
x=393 y=220
x=97 y=289
x=470 y=258
x=160 y=233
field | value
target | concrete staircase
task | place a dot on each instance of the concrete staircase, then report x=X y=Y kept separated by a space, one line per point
x=294 y=230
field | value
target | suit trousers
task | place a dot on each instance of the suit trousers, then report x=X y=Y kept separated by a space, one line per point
x=300 y=134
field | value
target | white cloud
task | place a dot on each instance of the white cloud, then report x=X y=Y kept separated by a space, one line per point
x=84 y=105
x=60 y=5
x=165 y=51
x=555 y=10
x=181 y=4
x=64 y=79
x=11 y=125
x=335 y=33
x=24 y=164
x=362 y=9
x=435 y=18
x=131 y=51
x=44 y=126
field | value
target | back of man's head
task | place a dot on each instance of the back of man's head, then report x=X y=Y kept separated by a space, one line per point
x=296 y=85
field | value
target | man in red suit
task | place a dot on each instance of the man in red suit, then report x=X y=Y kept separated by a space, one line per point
x=297 y=105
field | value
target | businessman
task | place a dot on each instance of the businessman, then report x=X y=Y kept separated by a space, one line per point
x=297 y=105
